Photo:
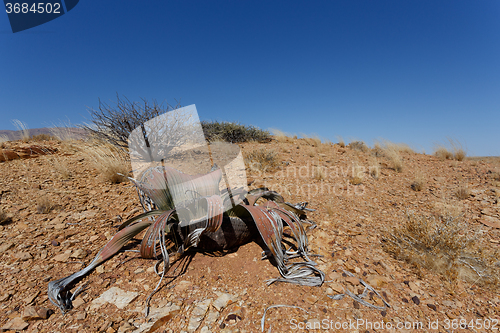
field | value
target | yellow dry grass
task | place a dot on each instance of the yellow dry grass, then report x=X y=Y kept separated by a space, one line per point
x=262 y=160
x=444 y=245
x=109 y=161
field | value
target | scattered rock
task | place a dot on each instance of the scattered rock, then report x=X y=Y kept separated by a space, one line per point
x=198 y=314
x=352 y=280
x=223 y=300
x=182 y=285
x=63 y=257
x=28 y=300
x=16 y=324
x=116 y=296
x=35 y=313
x=6 y=246
x=79 y=254
x=415 y=300
x=23 y=256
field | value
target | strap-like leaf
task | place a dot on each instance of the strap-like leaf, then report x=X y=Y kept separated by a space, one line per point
x=58 y=290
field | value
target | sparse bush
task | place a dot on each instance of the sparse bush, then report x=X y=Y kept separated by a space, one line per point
x=358 y=145
x=113 y=124
x=233 y=132
x=262 y=160
x=443 y=245
x=462 y=192
x=110 y=162
x=44 y=205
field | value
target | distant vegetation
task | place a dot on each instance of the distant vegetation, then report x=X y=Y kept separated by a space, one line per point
x=233 y=132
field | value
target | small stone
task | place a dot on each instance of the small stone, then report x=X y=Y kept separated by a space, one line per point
x=4 y=297
x=116 y=296
x=23 y=256
x=334 y=276
x=337 y=287
x=125 y=328
x=352 y=280
x=432 y=306
x=6 y=246
x=77 y=302
x=376 y=281
x=79 y=254
x=54 y=242
x=16 y=324
x=413 y=286
x=80 y=315
x=31 y=298
x=198 y=314
x=63 y=256
x=311 y=299
x=415 y=300
x=223 y=300
x=30 y=313
x=182 y=285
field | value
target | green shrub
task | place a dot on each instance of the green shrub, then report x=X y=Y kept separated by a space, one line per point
x=233 y=132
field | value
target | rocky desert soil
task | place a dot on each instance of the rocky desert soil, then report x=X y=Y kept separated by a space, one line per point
x=60 y=212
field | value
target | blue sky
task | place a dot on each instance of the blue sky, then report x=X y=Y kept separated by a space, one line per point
x=407 y=71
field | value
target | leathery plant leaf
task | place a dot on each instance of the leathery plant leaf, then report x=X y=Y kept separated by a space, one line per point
x=58 y=290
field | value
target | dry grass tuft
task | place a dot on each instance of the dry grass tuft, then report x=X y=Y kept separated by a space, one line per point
x=396 y=162
x=319 y=173
x=262 y=160
x=44 y=205
x=23 y=128
x=443 y=154
x=374 y=170
x=109 y=161
x=357 y=174
x=314 y=140
x=3 y=138
x=280 y=136
x=443 y=245
x=419 y=183
x=341 y=142
x=462 y=192
x=456 y=151
x=43 y=137
x=61 y=167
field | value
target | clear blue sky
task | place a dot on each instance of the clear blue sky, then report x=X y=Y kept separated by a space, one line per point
x=408 y=71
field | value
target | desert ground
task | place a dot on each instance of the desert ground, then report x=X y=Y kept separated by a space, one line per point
x=59 y=208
